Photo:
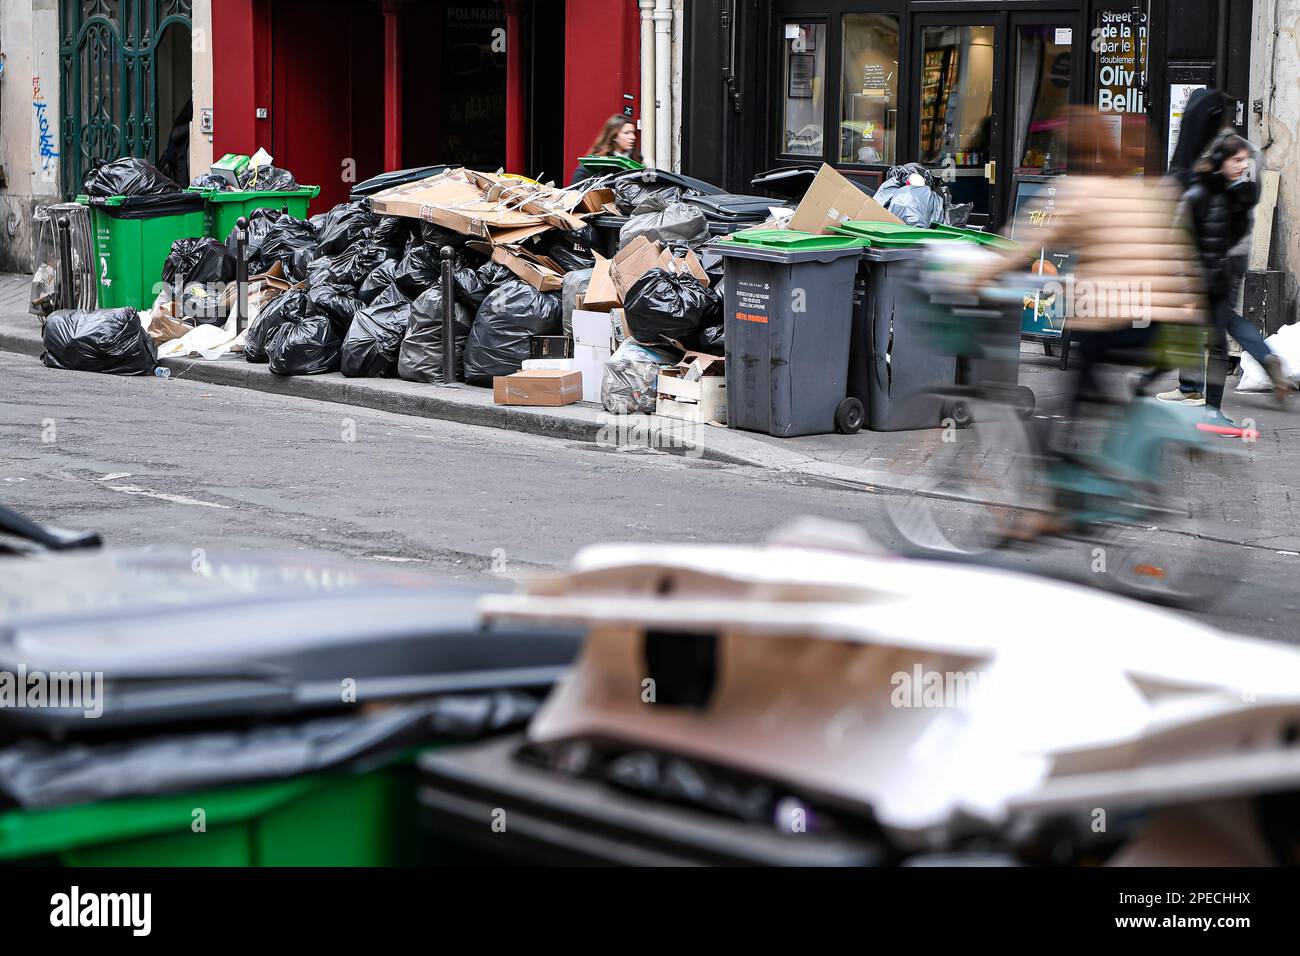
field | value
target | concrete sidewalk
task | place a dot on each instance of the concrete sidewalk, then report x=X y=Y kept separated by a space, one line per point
x=1265 y=507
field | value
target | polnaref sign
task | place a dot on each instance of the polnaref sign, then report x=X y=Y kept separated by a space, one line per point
x=1120 y=43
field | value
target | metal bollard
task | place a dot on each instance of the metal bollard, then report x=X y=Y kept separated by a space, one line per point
x=448 y=318
x=241 y=274
x=67 y=298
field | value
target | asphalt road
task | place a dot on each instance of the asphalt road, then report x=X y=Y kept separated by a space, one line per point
x=150 y=462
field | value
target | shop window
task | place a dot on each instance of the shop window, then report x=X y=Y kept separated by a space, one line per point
x=869 y=97
x=956 y=96
x=803 y=132
x=1042 y=87
x=1120 y=49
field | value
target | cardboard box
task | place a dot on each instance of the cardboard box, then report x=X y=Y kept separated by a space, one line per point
x=601 y=294
x=695 y=389
x=455 y=202
x=632 y=262
x=229 y=167
x=550 y=347
x=542 y=387
x=596 y=200
x=831 y=200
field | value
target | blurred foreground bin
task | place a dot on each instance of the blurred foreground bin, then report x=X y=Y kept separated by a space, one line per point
x=227 y=207
x=788 y=318
x=556 y=819
x=133 y=236
x=266 y=712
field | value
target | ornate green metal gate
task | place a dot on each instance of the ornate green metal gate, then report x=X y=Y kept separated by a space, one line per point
x=109 y=90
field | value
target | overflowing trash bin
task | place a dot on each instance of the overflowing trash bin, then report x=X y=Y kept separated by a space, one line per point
x=226 y=207
x=788 y=320
x=134 y=236
x=279 y=731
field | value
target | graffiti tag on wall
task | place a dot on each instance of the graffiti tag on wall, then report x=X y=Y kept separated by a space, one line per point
x=45 y=139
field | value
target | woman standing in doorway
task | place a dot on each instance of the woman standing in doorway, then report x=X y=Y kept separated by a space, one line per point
x=617 y=138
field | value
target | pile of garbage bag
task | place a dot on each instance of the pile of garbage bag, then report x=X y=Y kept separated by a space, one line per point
x=913 y=194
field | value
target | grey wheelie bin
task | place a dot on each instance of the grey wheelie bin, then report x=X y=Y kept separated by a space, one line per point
x=788 y=319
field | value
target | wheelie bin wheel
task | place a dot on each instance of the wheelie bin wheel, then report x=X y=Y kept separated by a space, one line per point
x=849 y=417
x=960 y=413
x=1025 y=402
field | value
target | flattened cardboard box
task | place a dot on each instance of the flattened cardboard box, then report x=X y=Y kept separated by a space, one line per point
x=601 y=296
x=538 y=271
x=456 y=202
x=541 y=387
x=831 y=200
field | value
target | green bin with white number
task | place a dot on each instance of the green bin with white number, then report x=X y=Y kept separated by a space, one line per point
x=133 y=236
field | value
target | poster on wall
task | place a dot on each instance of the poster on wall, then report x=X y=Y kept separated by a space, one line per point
x=1179 y=94
x=1032 y=215
x=801 y=76
x=1119 y=46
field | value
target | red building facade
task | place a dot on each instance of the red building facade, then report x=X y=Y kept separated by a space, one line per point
x=340 y=90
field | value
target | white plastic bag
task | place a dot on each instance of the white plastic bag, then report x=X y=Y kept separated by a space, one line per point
x=1285 y=343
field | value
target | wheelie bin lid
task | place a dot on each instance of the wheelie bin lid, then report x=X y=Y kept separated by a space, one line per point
x=145 y=207
x=396 y=177
x=607 y=164
x=244 y=636
x=892 y=234
x=243 y=195
x=990 y=239
x=789 y=245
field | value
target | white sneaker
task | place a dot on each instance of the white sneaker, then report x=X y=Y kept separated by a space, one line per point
x=1182 y=398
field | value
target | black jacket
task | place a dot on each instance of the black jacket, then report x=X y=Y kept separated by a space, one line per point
x=1213 y=223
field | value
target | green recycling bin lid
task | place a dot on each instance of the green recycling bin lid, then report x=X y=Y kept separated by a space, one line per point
x=790 y=240
x=990 y=239
x=612 y=163
x=891 y=234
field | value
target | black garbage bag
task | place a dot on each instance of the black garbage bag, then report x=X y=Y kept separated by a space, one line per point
x=267 y=179
x=420 y=268
x=393 y=233
x=470 y=289
x=338 y=302
x=209 y=181
x=291 y=242
x=901 y=174
x=713 y=340
x=345 y=224
x=510 y=316
x=630 y=193
x=437 y=236
x=492 y=274
x=350 y=267
x=290 y=306
x=380 y=278
x=420 y=358
x=260 y=222
x=571 y=251
x=679 y=222
x=305 y=346
x=103 y=340
x=372 y=343
x=128 y=176
x=198 y=260
x=665 y=307
x=390 y=295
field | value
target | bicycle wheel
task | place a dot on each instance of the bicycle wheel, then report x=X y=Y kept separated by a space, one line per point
x=1181 y=548
x=969 y=485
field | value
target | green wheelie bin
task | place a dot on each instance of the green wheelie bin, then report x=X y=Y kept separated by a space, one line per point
x=133 y=236
x=226 y=207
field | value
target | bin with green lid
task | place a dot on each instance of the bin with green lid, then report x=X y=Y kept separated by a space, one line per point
x=609 y=164
x=990 y=240
x=892 y=235
x=133 y=236
x=226 y=207
x=789 y=302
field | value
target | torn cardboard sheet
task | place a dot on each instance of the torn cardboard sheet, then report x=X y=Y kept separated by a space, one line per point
x=601 y=296
x=632 y=262
x=537 y=270
x=832 y=200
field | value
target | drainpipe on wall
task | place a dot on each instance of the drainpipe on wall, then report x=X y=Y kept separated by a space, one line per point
x=663 y=18
x=647 y=82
